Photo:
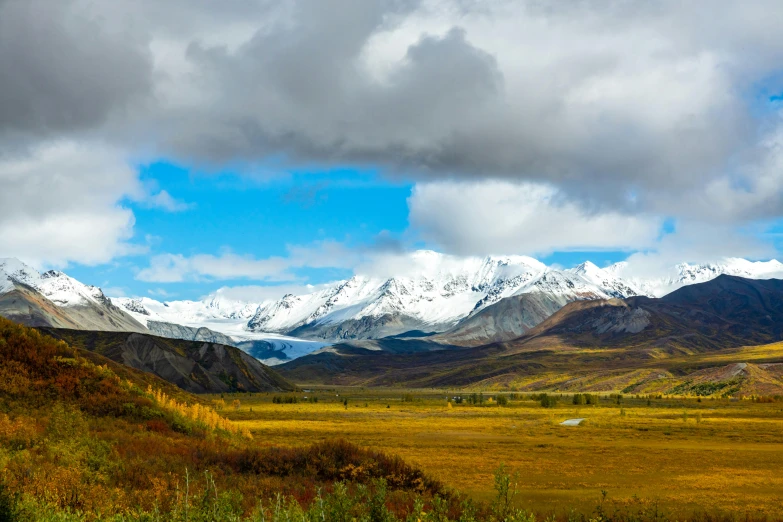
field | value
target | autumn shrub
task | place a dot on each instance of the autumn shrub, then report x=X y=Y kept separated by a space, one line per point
x=333 y=460
x=9 y=510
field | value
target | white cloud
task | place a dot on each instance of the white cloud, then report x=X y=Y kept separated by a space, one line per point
x=175 y=268
x=163 y=200
x=61 y=203
x=114 y=291
x=697 y=242
x=159 y=292
x=500 y=217
x=261 y=294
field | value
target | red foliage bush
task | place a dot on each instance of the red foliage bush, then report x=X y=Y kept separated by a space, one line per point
x=158 y=426
x=329 y=461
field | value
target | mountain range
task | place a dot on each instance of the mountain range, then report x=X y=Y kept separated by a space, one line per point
x=454 y=301
x=637 y=344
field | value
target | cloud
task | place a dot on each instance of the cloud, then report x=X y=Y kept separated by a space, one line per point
x=61 y=203
x=500 y=217
x=159 y=292
x=261 y=294
x=614 y=115
x=66 y=69
x=176 y=268
x=697 y=242
x=602 y=99
x=163 y=200
x=114 y=291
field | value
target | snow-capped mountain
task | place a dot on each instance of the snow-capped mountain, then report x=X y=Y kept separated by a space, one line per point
x=433 y=293
x=215 y=319
x=56 y=286
x=185 y=312
x=444 y=291
x=53 y=298
x=687 y=274
x=437 y=292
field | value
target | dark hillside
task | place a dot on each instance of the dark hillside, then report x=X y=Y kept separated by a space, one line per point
x=198 y=367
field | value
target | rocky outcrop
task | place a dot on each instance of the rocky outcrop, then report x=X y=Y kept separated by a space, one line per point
x=507 y=319
x=188 y=333
x=363 y=328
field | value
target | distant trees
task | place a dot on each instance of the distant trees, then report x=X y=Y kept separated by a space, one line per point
x=476 y=398
x=547 y=401
x=285 y=399
x=580 y=399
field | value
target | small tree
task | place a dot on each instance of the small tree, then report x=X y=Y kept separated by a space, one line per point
x=506 y=491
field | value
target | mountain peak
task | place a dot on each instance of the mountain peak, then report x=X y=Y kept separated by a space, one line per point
x=588 y=267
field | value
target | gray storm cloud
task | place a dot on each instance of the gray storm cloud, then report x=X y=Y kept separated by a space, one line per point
x=620 y=108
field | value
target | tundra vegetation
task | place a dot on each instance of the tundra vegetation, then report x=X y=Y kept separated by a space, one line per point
x=82 y=438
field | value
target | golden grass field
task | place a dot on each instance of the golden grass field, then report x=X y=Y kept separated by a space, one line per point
x=723 y=455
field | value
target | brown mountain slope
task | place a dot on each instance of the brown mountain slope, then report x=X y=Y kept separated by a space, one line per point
x=725 y=312
x=27 y=306
x=505 y=320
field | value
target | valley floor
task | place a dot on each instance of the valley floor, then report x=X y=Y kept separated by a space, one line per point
x=689 y=456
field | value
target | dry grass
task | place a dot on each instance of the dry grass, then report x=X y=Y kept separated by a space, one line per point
x=723 y=455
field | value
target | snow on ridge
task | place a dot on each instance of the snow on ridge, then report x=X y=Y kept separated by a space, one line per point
x=684 y=274
x=444 y=291
x=438 y=290
x=56 y=286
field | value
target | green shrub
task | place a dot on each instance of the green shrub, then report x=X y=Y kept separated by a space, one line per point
x=9 y=511
x=547 y=401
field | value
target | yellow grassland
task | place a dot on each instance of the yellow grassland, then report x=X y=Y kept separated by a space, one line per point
x=684 y=454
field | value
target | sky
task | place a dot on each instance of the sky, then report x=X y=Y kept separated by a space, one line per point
x=169 y=149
